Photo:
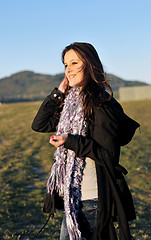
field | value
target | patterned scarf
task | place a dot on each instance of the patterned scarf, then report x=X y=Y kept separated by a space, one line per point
x=67 y=171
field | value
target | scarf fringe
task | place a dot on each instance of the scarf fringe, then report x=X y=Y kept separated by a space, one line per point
x=67 y=171
x=72 y=226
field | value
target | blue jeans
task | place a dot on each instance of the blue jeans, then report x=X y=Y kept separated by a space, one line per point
x=90 y=211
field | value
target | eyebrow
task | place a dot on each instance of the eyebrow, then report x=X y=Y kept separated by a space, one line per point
x=72 y=60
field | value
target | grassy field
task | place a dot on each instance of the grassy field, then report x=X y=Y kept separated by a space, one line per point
x=26 y=159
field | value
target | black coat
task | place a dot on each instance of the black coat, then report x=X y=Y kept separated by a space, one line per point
x=110 y=129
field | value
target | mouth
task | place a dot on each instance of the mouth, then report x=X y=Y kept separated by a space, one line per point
x=71 y=76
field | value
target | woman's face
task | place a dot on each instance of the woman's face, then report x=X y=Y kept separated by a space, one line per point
x=74 y=68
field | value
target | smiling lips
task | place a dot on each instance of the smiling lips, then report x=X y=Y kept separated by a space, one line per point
x=71 y=76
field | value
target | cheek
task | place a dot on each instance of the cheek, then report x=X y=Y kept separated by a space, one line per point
x=80 y=69
x=65 y=72
x=81 y=73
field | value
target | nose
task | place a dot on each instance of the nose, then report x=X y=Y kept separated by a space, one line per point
x=68 y=69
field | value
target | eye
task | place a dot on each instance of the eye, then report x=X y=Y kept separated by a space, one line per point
x=65 y=65
x=74 y=63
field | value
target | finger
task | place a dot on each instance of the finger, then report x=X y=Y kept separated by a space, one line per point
x=51 y=141
x=54 y=138
x=51 y=137
x=63 y=85
x=61 y=138
x=66 y=80
x=56 y=144
x=58 y=140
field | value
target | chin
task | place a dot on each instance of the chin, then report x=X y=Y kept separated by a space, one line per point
x=72 y=84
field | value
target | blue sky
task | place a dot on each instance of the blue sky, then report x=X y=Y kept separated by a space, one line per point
x=33 y=34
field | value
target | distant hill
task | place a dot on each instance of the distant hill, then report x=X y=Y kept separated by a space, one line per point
x=117 y=82
x=28 y=85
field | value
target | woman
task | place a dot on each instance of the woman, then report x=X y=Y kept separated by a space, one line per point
x=91 y=126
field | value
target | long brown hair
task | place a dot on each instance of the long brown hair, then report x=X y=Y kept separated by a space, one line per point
x=94 y=81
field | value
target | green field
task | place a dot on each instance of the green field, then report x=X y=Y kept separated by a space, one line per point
x=26 y=159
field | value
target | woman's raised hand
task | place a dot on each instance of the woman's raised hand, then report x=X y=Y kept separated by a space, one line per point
x=63 y=85
x=58 y=140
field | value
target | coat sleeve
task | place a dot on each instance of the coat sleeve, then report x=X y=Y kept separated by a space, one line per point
x=103 y=136
x=46 y=119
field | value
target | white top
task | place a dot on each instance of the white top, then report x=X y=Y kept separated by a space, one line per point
x=89 y=188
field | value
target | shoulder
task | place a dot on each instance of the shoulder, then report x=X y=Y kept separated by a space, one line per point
x=108 y=111
x=105 y=127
